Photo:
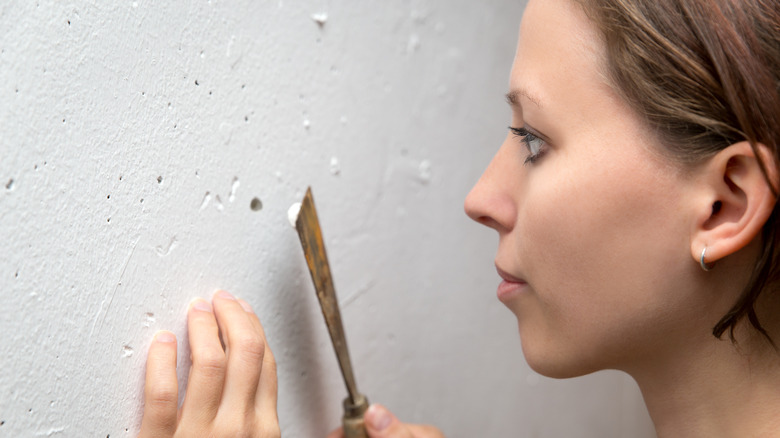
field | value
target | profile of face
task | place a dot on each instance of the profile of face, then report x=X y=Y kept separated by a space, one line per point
x=594 y=233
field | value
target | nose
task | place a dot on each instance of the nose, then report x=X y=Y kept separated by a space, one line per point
x=491 y=201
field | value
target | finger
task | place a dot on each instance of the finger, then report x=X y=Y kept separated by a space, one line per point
x=245 y=351
x=424 y=431
x=381 y=423
x=161 y=388
x=267 y=390
x=209 y=364
x=338 y=433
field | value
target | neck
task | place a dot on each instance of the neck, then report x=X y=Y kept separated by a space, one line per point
x=718 y=389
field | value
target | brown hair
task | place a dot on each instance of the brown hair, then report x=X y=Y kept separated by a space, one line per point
x=704 y=73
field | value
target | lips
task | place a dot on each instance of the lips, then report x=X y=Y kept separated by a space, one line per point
x=507 y=277
x=510 y=288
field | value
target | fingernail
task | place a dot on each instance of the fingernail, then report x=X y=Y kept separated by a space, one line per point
x=378 y=417
x=164 y=337
x=246 y=306
x=201 y=304
x=225 y=294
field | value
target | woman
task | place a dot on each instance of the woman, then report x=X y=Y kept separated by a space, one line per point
x=635 y=200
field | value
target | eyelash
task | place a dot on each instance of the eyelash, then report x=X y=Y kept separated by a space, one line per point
x=527 y=138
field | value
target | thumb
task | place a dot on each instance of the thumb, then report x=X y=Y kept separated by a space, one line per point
x=381 y=423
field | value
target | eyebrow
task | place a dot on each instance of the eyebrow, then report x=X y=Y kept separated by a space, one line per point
x=513 y=97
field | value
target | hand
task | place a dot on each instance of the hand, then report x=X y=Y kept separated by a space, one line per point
x=231 y=391
x=381 y=423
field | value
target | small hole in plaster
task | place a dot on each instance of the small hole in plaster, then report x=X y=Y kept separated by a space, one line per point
x=68 y=22
x=246 y=118
x=256 y=204
x=243 y=86
x=108 y=197
x=2 y=422
x=120 y=177
x=159 y=179
x=209 y=92
x=16 y=275
x=196 y=82
x=29 y=410
x=10 y=184
x=108 y=220
x=63 y=120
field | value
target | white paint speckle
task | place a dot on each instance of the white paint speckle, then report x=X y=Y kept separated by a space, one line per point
x=320 y=18
x=414 y=44
x=206 y=200
x=164 y=251
x=135 y=4
x=425 y=171
x=343 y=120
x=233 y=189
x=334 y=166
x=292 y=213
x=306 y=123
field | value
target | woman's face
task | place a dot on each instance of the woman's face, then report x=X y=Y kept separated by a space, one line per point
x=590 y=216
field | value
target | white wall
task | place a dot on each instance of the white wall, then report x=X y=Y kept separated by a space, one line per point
x=133 y=137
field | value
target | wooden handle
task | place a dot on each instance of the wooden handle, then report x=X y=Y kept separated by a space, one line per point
x=354 y=426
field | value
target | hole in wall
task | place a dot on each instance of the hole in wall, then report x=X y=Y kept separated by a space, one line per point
x=159 y=179
x=10 y=184
x=256 y=204
x=196 y=82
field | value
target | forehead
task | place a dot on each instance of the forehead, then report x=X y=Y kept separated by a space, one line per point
x=559 y=51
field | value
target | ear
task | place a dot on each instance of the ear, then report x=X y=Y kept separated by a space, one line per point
x=735 y=200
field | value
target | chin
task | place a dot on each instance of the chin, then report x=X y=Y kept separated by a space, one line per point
x=557 y=363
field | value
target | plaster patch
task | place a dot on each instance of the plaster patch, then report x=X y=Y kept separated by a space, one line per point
x=233 y=189
x=414 y=44
x=425 y=171
x=334 y=166
x=292 y=213
x=50 y=432
x=205 y=202
x=165 y=251
x=320 y=18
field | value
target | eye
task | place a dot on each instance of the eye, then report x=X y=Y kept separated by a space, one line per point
x=533 y=143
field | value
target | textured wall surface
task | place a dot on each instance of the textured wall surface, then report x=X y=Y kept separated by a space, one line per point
x=135 y=136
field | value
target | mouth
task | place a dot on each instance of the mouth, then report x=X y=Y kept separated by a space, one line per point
x=508 y=277
x=511 y=286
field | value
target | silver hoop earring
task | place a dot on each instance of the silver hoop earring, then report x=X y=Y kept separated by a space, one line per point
x=705 y=266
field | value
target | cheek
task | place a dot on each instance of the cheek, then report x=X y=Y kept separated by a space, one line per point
x=592 y=244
